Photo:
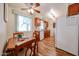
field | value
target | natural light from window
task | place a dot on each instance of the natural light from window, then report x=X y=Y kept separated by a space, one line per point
x=42 y=25
x=23 y=23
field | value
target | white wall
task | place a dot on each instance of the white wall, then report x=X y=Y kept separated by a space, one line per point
x=12 y=20
x=10 y=23
x=59 y=8
x=3 y=36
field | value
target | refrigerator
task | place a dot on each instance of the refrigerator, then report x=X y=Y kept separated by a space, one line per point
x=67 y=34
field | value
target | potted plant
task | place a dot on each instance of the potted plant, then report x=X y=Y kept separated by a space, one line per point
x=20 y=37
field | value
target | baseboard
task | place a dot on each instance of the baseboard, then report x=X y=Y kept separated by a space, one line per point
x=65 y=51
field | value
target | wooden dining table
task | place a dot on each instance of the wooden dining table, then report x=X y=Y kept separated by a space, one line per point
x=15 y=45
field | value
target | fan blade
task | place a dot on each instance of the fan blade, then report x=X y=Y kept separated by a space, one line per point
x=24 y=8
x=37 y=4
x=36 y=10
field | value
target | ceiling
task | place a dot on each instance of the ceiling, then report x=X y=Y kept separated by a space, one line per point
x=59 y=8
x=18 y=5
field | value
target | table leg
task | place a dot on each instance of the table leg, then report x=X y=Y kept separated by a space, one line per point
x=16 y=52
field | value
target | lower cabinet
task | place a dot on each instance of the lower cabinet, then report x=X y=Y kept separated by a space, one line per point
x=46 y=33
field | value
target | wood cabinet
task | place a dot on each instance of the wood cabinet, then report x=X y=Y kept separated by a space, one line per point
x=46 y=33
x=37 y=21
x=73 y=9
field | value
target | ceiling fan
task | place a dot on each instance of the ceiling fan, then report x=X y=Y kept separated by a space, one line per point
x=32 y=7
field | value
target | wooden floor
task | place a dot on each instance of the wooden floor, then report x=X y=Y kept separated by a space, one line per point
x=47 y=48
x=62 y=53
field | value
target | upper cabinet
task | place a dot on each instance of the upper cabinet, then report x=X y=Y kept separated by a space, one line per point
x=73 y=9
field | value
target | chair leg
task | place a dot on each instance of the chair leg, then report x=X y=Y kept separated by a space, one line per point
x=36 y=49
x=27 y=51
x=31 y=52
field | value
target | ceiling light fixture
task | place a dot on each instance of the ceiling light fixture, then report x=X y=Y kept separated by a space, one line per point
x=31 y=11
x=51 y=16
x=28 y=10
x=53 y=13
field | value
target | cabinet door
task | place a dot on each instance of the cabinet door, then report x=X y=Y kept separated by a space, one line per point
x=73 y=9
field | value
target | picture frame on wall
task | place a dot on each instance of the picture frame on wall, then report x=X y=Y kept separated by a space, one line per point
x=54 y=25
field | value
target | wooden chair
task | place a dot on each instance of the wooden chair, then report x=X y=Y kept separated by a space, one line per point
x=9 y=49
x=33 y=46
x=30 y=49
x=36 y=34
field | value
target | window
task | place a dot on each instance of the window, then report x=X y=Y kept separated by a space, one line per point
x=23 y=23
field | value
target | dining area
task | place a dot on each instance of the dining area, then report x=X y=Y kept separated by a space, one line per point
x=18 y=44
x=24 y=31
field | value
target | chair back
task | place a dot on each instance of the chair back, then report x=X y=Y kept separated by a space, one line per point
x=16 y=33
x=36 y=34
